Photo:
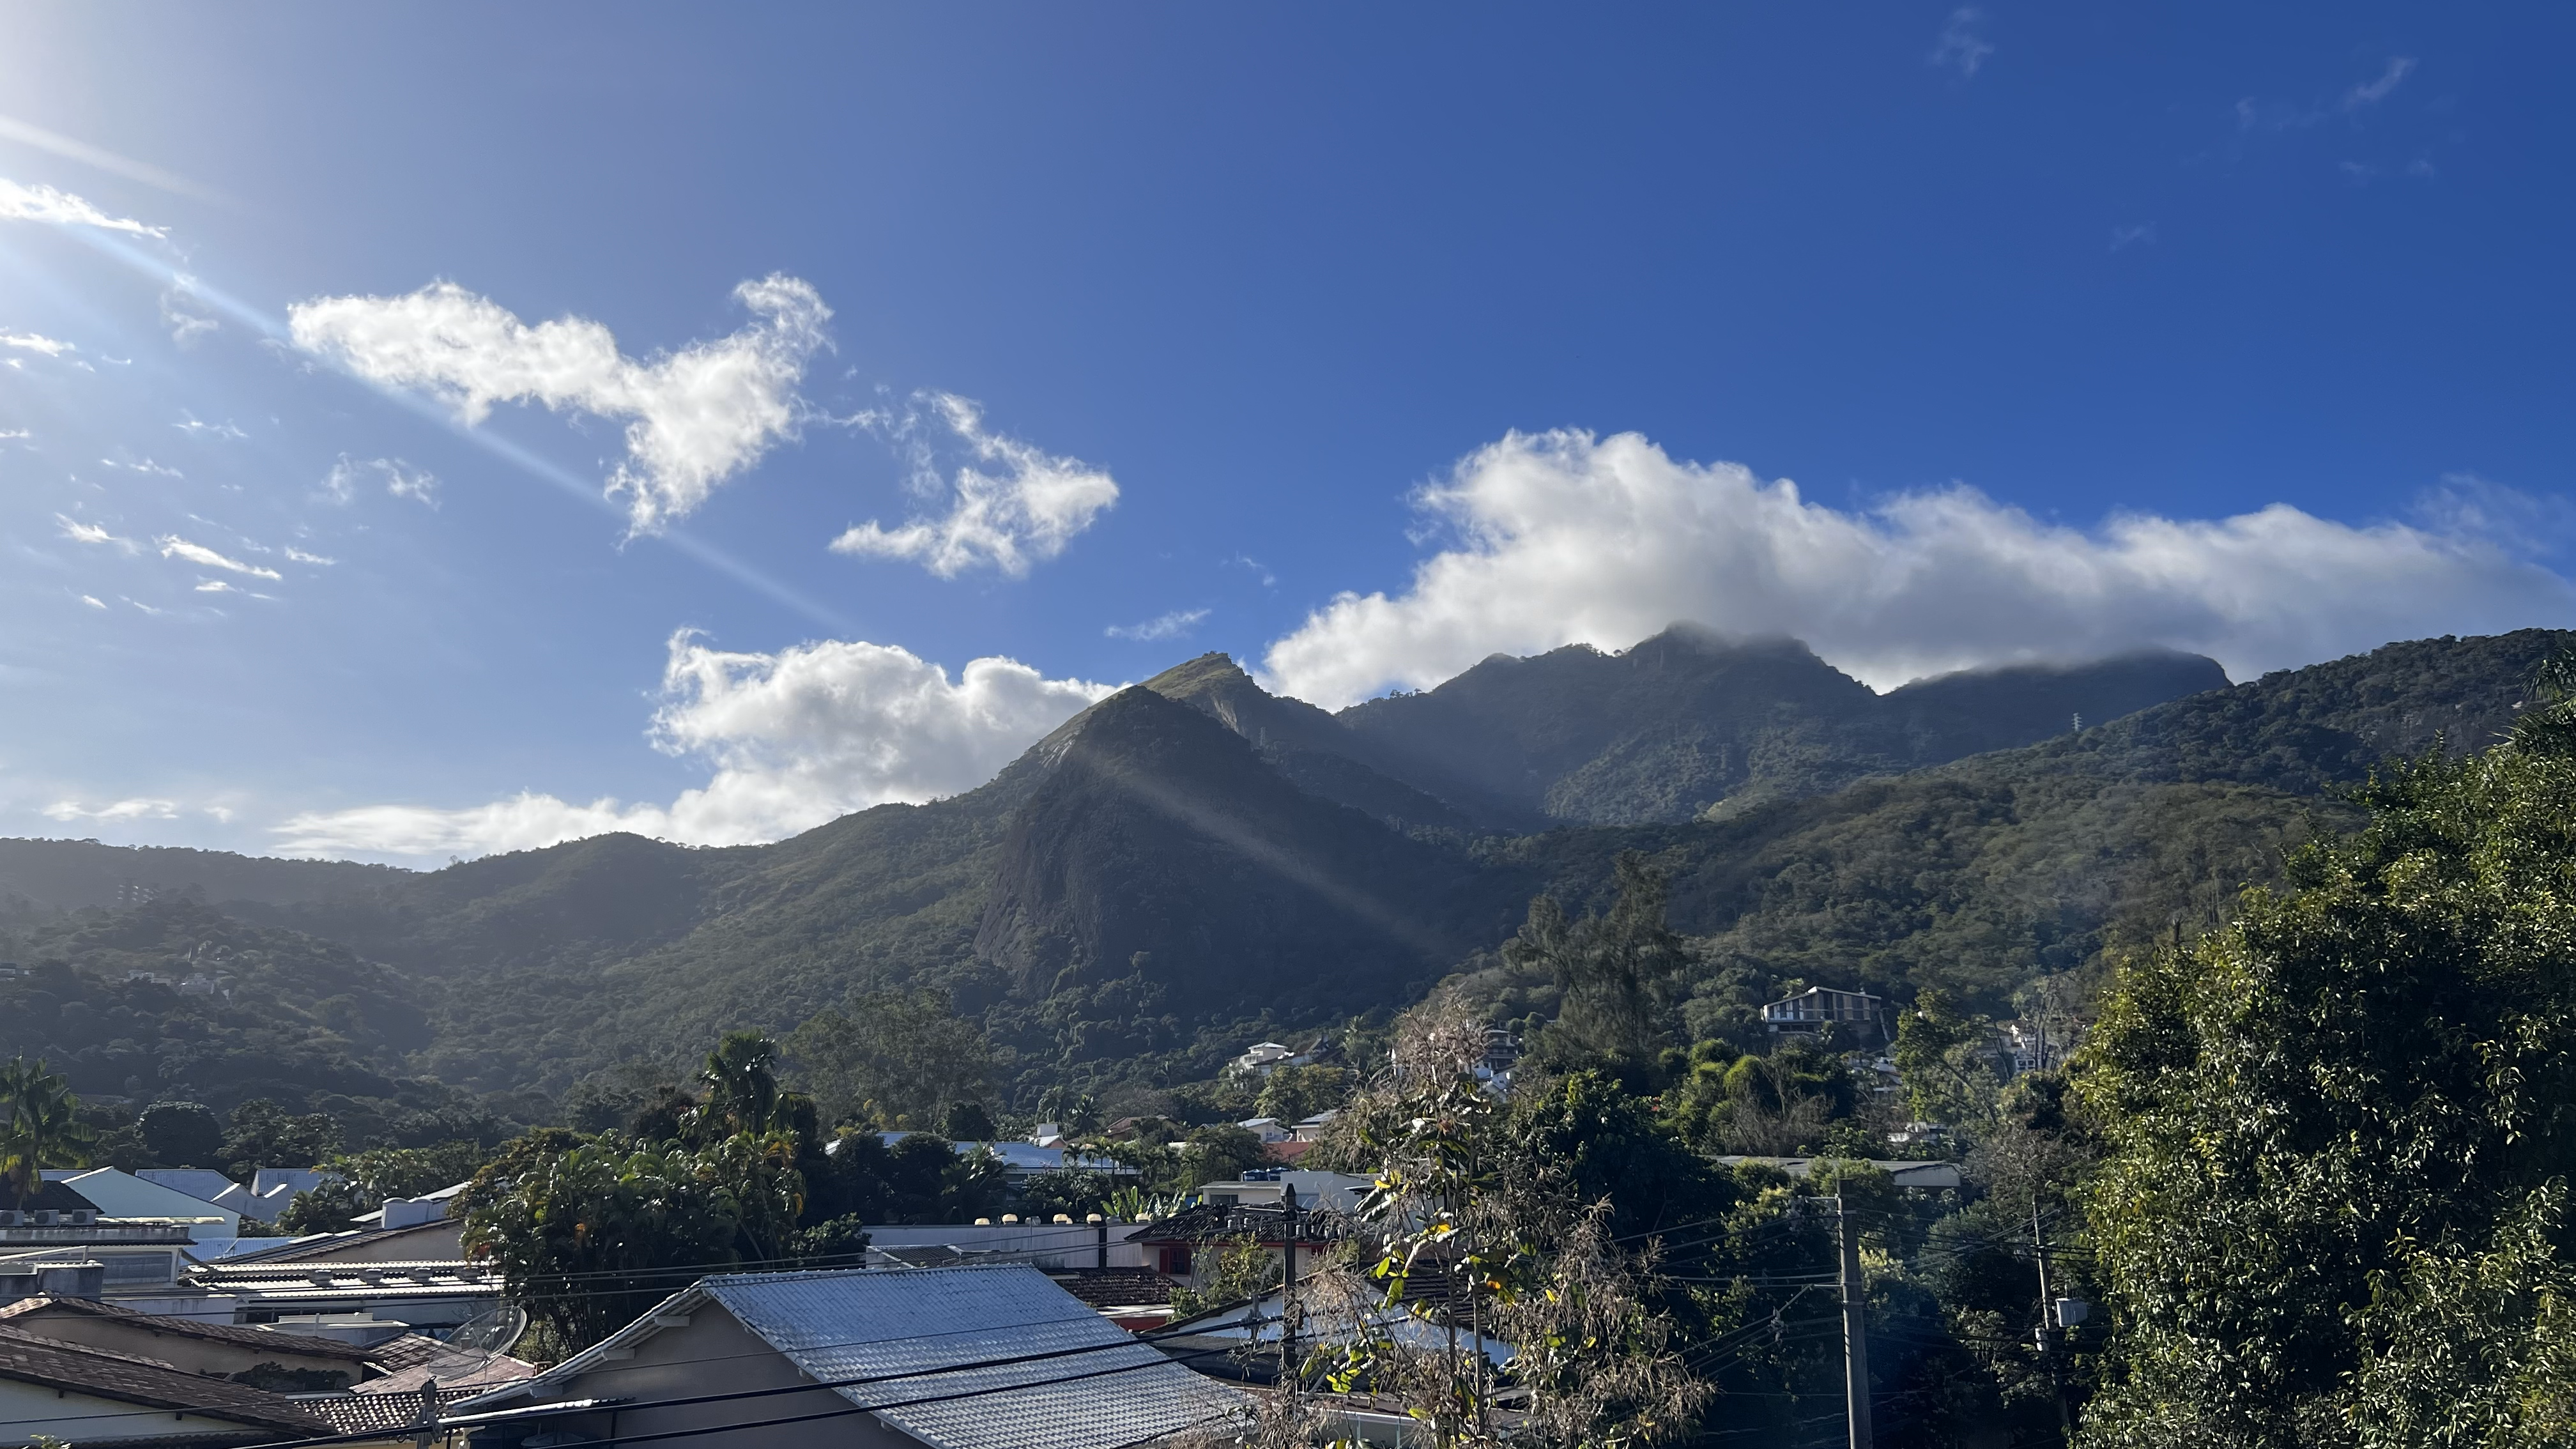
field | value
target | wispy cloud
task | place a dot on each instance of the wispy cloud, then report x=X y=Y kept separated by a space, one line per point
x=696 y=417
x=2125 y=237
x=92 y=601
x=19 y=202
x=1025 y=510
x=401 y=480
x=1960 y=47
x=184 y=314
x=189 y=424
x=297 y=555
x=139 y=808
x=2371 y=93
x=197 y=553
x=80 y=532
x=162 y=470
x=36 y=342
x=1162 y=626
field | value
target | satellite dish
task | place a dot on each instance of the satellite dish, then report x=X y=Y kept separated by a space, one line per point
x=493 y=1332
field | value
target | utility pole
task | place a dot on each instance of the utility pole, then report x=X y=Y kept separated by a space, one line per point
x=1855 y=1327
x=2048 y=1340
x=1289 y=1364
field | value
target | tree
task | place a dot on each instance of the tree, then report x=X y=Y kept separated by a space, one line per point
x=1616 y=974
x=1942 y=1054
x=40 y=1125
x=1491 y=1220
x=588 y=1236
x=2339 y=1133
x=967 y=1122
x=899 y=1059
x=182 y=1134
x=263 y=1134
x=741 y=1082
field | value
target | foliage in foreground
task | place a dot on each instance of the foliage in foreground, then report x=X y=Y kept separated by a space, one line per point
x=2342 y=1130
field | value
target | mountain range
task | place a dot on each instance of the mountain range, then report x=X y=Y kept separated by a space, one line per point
x=1195 y=862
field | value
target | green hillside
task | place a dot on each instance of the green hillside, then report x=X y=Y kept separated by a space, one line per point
x=1155 y=884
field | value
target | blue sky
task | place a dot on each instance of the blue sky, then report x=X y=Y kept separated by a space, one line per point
x=1357 y=343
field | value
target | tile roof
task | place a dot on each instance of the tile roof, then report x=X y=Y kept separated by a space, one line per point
x=1116 y=1287
x=30 y=1359
x=942 y=1328
x=378 y=1413
x=264 y=1339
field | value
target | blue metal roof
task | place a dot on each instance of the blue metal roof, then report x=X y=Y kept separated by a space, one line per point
x=873 y=1322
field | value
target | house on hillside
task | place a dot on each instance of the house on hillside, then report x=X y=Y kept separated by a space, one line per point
x=958 y=1358
x=97 y=1399
x=1818 y=1007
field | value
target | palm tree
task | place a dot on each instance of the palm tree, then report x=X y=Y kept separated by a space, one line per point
x=40 y=1126
x=741 y=1078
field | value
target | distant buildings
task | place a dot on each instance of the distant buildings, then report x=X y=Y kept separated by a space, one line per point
x=1818 y=1007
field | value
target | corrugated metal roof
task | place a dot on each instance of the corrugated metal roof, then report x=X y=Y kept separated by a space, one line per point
x=870 y=1323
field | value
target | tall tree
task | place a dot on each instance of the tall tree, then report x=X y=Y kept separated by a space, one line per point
x=1615 y=973
x=2340 y=1134
x=40 y=1125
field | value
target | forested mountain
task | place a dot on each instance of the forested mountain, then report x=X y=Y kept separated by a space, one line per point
x=1195 y=862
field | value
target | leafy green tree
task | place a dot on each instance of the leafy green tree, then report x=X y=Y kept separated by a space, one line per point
x=1618 y=975
x=390 y=1172
x=967 y=1122
x=898 y=1059
x=40 y=1125
x=1076 y=1192
x=331 y=1206
x=182 y=1134
x=1945 y=1057
x=2339 y=1134
x=1222 y=1153
x=587 y=1238
x=263 y=1134
x=1293 y=1094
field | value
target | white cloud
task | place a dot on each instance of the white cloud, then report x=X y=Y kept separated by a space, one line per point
x=16 y=434
x=1163 y=626
x=80 y=532
x=182 y=312
x=36 y=342
x=1564 y=538
x=1025 y=511
x=146 y=466
x=796 y=738
x=697 y=416
x=197 y=553
x=2371 y=93
x=297 y=555
x=189 y=424
x=402 y=480
x=216 y=586
x=1960 y=47
x=135 y=809
x=92 y=601
x=147 y=608
x=60 y=208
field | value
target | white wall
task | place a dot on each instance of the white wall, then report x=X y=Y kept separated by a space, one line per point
x=27 y=1410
